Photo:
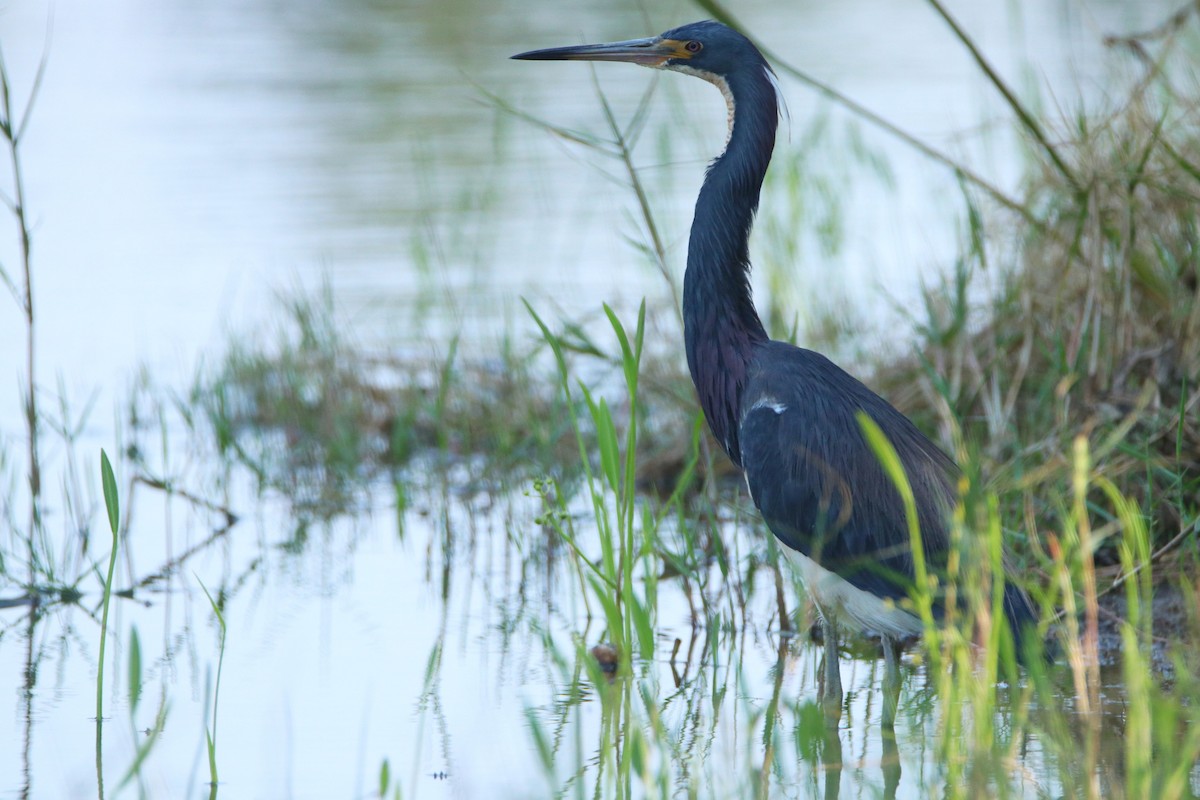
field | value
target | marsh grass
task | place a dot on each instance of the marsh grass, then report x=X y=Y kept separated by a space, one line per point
x=14 y=123
x=319 y=418
x=1090 y=749
x=112 y=506
x=210 y=731
x=149 y=736
x=1073 y=385
x=1067 y=387
x=1091 y=322
x=612 y=491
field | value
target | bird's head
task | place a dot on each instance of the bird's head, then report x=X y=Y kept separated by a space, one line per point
x=707 y=49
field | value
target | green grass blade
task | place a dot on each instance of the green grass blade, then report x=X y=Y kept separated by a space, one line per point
x=385 y=778
x=135 y=671
x=211 y=735
x=882 y=447
x=109 y=483
x=144 y=749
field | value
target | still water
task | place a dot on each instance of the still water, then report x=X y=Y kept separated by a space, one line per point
x=185 y=163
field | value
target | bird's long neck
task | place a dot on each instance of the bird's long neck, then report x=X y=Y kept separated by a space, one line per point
x=721 y=325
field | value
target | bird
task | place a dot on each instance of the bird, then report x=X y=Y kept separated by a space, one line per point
x=789 y=417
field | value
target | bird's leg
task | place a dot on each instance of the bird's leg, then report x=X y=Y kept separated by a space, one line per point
x=831 y=694
x=831 y=760
x=890 y=761
x=891 y=680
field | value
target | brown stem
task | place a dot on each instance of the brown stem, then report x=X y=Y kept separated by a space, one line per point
x=13 y=131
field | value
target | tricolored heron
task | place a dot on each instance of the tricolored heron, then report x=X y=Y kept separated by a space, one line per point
x=788 y=416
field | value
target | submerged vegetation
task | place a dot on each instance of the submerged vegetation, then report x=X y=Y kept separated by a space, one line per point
x=315 y=416
x=1059 y=362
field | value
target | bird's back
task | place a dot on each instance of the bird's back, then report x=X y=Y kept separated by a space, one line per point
x=824 y=493
x=819 y=485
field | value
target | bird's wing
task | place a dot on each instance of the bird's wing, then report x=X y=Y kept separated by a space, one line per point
x=818 y=484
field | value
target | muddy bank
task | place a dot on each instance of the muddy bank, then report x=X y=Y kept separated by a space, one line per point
x=1176 y=629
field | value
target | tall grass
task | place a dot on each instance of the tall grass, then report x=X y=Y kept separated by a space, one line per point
x=626 y=534
x=136 y=679
x=112 y=506
x=210 y=731
x=1151 y=749
x=318 y=417
x=13 y=127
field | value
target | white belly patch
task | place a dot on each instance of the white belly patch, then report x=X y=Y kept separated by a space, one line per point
x=846 y=604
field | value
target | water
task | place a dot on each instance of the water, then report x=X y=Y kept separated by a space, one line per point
x=185 y=163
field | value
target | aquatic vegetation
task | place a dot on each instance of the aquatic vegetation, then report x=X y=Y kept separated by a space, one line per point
x=533 y=536
x=111 y=503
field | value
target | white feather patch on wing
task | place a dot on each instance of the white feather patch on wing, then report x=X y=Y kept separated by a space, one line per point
x=768 y=402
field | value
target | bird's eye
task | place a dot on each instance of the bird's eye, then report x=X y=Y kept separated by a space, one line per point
x=693 y=46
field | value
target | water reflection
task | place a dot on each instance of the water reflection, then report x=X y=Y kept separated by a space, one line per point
x=250 y=145
x=472 y=620
x=831 y=760
x=425 y=623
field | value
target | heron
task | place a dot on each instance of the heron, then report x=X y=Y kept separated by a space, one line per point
x=789 y=417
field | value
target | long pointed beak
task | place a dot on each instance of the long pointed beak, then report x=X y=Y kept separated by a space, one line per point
x=651 y=52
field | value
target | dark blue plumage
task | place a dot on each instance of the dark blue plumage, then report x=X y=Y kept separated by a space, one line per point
x=785 y=415
x=817 y=483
